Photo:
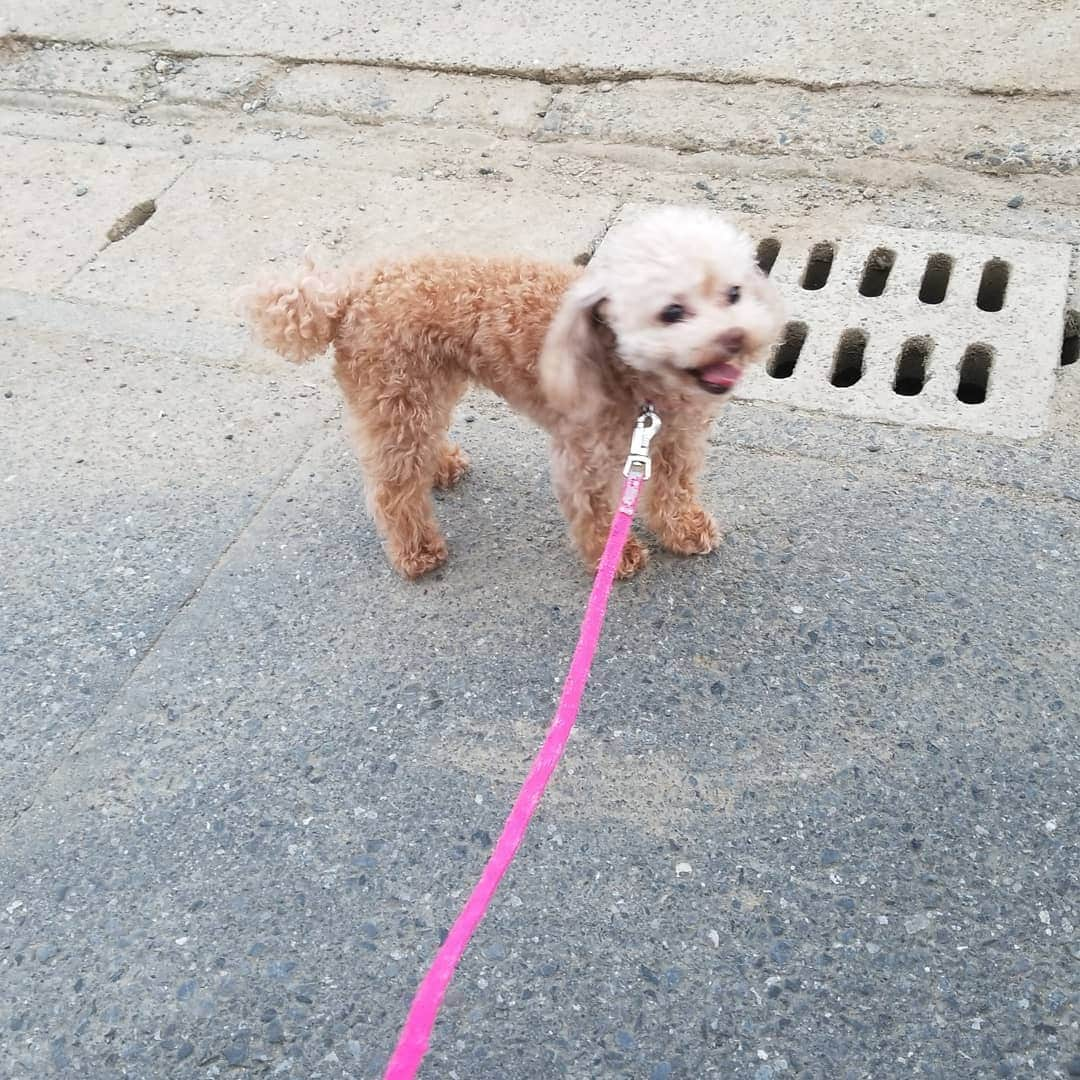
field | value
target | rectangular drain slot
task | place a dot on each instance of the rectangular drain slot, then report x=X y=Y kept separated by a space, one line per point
x=911 y=367
x=992 y=286
x=876 y=273
x=818 y=267
x=848 y=361
x=767 y=251
x=786 y=356
x=1070 y=338
x=935 y=280
x=975 y=374
x=903 y=326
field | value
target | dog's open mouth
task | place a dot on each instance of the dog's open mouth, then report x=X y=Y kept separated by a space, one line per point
x=718 y=378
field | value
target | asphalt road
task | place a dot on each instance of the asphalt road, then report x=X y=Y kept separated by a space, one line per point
x=818 y=819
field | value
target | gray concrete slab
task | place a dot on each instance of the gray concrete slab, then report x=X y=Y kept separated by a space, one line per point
x=60 y=201
x=236 y=217
x=1008 y=135
x=215 y=80
x=761 y=193
x=377 y=95
x=83 y=70
x=822 y=823
x=972 y=45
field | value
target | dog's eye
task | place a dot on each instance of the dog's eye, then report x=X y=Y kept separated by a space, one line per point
x=673 y=313
x=733 y=294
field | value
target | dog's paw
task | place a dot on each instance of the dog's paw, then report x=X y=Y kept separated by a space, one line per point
x=452 y=465
x=426 y=556
x=634 y=557
x=694 y=532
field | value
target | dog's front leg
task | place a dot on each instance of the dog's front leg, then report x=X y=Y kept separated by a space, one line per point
x=672 y=510
x=587 y=481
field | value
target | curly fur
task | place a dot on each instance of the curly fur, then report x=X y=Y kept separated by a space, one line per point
x=297 y=316
x=577 y=352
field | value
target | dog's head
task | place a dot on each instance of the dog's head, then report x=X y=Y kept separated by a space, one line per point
x=675 y=295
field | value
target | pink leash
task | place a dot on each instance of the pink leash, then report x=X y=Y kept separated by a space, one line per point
x=415 y=1035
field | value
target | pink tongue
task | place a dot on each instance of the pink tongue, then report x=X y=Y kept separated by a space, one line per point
x=722 y=374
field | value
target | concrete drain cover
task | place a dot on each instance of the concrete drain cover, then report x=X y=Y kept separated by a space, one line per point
x=944 y=330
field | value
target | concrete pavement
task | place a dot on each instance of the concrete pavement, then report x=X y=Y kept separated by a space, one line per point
x=1029 y=46
x=819 y=816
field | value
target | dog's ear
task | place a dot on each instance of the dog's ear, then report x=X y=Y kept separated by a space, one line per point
x=572 y=359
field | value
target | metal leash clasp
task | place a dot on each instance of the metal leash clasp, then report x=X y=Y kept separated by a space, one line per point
x=638 y=462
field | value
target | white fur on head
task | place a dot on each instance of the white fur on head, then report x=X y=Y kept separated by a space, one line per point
x=674 y=255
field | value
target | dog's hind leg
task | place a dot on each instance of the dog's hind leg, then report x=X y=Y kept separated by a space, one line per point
x=451 y=462
x=400 y=431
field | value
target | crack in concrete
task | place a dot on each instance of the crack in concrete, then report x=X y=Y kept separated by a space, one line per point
x=557 y=124
x=569 y=75
x=109 y=240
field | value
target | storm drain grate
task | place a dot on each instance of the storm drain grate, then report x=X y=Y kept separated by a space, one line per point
x=943 y=330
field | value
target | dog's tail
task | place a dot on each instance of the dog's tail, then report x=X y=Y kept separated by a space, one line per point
x=298 y=315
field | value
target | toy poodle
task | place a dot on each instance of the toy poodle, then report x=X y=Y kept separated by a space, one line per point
x=671 y=310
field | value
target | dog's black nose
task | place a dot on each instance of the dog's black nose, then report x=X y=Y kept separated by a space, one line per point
x=732 y=341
